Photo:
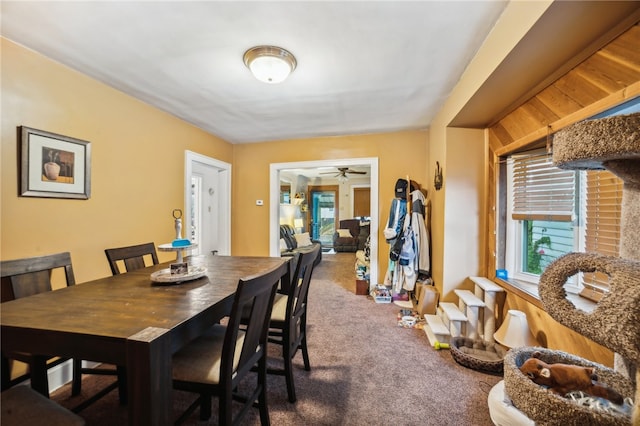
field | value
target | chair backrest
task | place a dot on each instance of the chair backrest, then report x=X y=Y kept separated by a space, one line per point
x=254 y=295
x=299 y=290
x=32 y=275
x=353 y=225
x=287 y=233
x=132 y=256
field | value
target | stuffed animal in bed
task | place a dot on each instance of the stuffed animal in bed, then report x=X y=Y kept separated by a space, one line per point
x=564 y=378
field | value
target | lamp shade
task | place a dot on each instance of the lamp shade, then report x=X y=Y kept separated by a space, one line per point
x=270 y=64
x=514 y=331
x=287 y=214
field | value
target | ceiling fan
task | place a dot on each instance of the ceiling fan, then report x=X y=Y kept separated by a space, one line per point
x=342 y=172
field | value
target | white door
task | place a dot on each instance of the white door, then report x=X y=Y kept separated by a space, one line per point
x=208 y=204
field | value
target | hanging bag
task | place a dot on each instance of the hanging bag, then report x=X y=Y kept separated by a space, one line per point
x=407 y=253
x=396 y=248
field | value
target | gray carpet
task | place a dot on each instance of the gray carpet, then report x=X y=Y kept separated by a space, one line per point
x=365 y=370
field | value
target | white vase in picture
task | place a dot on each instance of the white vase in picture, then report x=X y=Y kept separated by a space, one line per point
x=51 y=170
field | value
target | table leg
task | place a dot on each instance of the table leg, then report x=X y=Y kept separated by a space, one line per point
x=38 y=374
x=149 y=377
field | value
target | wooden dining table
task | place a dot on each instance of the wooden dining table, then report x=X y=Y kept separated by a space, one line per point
x=130 y=321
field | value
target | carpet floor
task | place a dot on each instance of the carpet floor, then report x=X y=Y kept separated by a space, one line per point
x=365 y=370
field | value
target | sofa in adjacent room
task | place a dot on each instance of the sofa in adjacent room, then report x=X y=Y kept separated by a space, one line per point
x=351 y=236
x=292 y=242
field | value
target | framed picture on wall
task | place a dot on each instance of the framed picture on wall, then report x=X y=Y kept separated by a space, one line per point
x=54 y=166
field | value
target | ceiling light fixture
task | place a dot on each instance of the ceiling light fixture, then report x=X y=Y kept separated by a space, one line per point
x=270 y=64
x=343 y=178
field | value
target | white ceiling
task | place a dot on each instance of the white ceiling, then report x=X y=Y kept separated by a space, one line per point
x=363 y=67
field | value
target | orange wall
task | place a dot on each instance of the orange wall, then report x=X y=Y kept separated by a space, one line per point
x=138 y=167
x=137 y=164
x=400 y=154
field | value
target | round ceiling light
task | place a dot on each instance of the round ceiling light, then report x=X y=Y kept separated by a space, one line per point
x=270 y=64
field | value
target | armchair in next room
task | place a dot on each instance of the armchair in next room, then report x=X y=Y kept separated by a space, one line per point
x=350 y=236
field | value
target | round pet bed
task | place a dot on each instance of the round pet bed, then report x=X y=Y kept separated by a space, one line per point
x=545 y=407
x=478 y=354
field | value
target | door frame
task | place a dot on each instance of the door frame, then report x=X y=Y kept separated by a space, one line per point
x=224 y=175
x=274 y=202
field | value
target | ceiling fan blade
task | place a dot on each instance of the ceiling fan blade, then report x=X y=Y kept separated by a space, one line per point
x=356 y=172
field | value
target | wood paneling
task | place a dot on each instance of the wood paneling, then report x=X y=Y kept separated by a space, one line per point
x=610 y=70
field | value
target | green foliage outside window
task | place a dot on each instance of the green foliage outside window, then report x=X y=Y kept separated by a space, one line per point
x=535 y=250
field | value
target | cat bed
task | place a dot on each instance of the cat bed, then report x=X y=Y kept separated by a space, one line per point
x=544 y=407
x=478 y=354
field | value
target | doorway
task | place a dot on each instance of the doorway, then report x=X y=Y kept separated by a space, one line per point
x=207 y=217
x=323 y=208
x=274 y=201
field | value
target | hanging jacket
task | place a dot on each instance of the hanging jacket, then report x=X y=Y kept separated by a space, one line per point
x=421 y=234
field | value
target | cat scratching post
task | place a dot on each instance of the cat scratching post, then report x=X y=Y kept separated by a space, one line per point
x=613 y=144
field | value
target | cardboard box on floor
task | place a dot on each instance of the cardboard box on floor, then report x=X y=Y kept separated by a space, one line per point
x=362 y=287
x=427 y=299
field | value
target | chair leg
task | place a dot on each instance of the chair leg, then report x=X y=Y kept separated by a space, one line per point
x=76 y=382
x=224 y=409
x=122 y=385
x=262 y=397
x=288 y=370
x=205 y=409
x=303 y=343
x=6 y=373
x=305 y=353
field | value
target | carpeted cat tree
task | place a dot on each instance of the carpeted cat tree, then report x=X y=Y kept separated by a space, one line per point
x=613 y=144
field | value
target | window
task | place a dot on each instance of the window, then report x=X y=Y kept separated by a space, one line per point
x=542 y=219
x=550 y=212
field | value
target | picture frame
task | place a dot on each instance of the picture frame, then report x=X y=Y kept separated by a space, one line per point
x=53 y=165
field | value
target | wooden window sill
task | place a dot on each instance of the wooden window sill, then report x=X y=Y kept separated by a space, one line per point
x=529 y=292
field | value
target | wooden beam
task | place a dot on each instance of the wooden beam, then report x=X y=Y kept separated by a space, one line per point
x=597 y=107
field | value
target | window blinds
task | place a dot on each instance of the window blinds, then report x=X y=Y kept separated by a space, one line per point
x=542 y=191
x=602 y=223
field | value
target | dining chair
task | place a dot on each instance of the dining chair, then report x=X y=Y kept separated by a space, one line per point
x=216 y=362
x=288 y=327
x=27 y=277
x=30 y=276
x=133 y=257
